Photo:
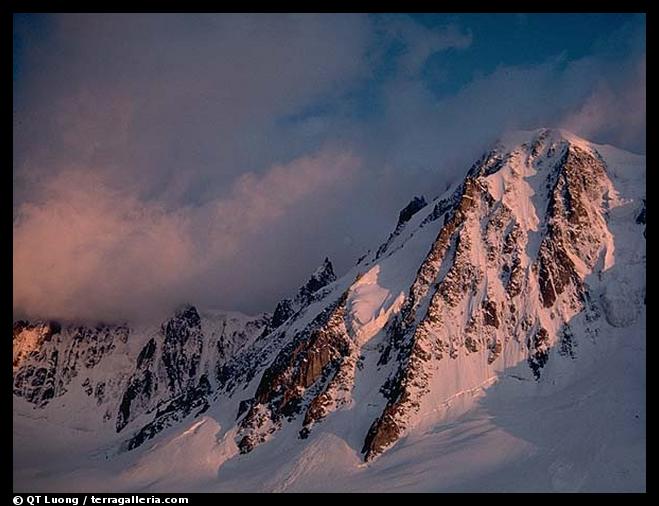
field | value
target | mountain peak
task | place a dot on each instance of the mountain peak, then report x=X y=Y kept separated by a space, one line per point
x=414 y=206
x=323 y=275
x=513 y=139
x=186 y=311
x=320 y=278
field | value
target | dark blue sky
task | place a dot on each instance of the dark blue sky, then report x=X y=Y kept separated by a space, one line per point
x=258 y=144
x=525 y=39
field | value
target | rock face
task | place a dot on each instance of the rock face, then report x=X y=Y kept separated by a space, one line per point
x=415 y=205
x=640 y=219
x=169 y=377
x=310 y=291
x=168 y=373
x=471 y=293
x=502 y=270
x=300 y=377
x=48 y=357
x=242 y=367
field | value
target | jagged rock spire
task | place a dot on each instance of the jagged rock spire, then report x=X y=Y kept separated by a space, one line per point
x=405 y=215
x=415 y=205
x=320 y=278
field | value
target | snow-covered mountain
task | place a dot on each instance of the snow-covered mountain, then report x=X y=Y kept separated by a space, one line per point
x=498 y=333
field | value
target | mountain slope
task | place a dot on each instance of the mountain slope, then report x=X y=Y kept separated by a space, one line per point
x=505 y=295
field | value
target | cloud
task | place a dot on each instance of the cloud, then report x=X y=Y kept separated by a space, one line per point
x=85 y=247
x=218 y=159
x=420 y=42
x=614 y=114
x=177 y=104
x=447 y=133
x=88 y=250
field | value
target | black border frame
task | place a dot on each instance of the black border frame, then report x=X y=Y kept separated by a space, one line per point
x=102 y=6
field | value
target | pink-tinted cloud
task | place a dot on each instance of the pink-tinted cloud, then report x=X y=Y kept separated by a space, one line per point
x=86 y=250
x=617 y=114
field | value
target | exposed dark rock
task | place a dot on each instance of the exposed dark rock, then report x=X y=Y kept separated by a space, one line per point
x=172 y=412
x=244 y=406
x=306 y=294
x=241 y=368
x=578 y=184
x=490 y=314
x=87 y=387
x=140 y=389
x=44 y=368
x=471 y=344
x=312 y=354
x=488 y=164
x=640 y=219
x=515 y=279
x=413 y=344
x=415 y=205
x=337 y=380
x=453 y=308
x=575 y=185
x=182 y=347
x=178 y=362
x=383 y=432
x=495 y=348
x=283 y=312
x=539 y=346
x=147 y=353
x=37 y=384
x=567 y=342
x=322 y=277
x=442 y=208
x=99 y=393
x=20 y=326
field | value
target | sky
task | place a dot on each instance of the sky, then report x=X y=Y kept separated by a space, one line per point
x=217 y=159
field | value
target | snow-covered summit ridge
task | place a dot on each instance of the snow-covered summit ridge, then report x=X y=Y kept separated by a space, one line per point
x=505 y=280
